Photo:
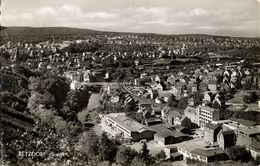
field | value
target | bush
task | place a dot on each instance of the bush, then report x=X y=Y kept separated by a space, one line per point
x=239 y=153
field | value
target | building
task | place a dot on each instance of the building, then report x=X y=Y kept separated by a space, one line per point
x=226 y=139
x=245 y=135
x=211 y=132
x=191 y=113
x=208 y=155
x=120 y=124
x=177 y=119
x=74 y=76
x=165 y=110
x=115 y=96
x=199 y=150
x=206 y=115
x=254 y=148
x=153 y=93
x=165 y=136
x=212 y=85
x=172 y=153
x=208 y=97
x=111 y=87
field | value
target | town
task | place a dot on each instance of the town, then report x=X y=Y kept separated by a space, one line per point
x=127 y=99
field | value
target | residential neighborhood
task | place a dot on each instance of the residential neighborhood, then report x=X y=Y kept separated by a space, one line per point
x=169 y=83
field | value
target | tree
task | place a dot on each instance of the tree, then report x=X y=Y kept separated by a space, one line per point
x=106 y=148
x=172 y=102
x=125 y=155
x=161 y=155
x=137 y=161
x=237 y=153
x=57 y=86
x=88 y=144
x=47 y=100
x=198 y=97
x=183 y=103
x=131 y=107
x=76 y=100
x=144 y=153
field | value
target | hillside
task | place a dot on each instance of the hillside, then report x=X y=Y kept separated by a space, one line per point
x=14 y=31
x=42 y=33
x=35 y=34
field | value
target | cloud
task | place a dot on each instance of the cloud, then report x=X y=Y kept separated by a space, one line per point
x=103 y=15
x=198 y=12
x=196 y=17
x=46 y=11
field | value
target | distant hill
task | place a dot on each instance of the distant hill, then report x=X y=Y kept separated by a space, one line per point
x=65 y=33
x=43 y=33
x=16 y=31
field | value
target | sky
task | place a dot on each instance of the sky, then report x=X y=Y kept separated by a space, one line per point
x=217 y=17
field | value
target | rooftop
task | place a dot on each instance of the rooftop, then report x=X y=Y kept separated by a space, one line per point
x=163 y=131
x=207 y=152
x=244 y=122
x=190 y=109
x=250 y=130
x=207 y=108
x=212 y=126
x=127 y=123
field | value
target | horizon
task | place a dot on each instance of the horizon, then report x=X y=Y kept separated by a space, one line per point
x=234 y=18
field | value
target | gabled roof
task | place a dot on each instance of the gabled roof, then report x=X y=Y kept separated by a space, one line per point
x=166 y=109
x=174 y=114
x=190 y=109
x=163 y=131
x=212 y=126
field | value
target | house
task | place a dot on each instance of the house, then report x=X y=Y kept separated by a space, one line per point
x=157 y=86
x=207 y=114
x=171 y=117
x=226 y=138
x=191 y=113
x=111 y=87
x=142 y=81
x=74 y=76
x=166 y=94
x=153 y=93
x=165 y=136
x=157 y=78
x=172 y=153
x=178 y=89
x=212 y=85
x=115 y=96
x=120 y=124
x=171 y=80
x=165 y=110
x=254 y=148
x=203 y=86
x=152 y=121
x=128 y=99
x=86 y=76
x=183 y=121
x=144 y=106
x=211 y=132
x=208 y=96
x=208 y=155
x=194 y=87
